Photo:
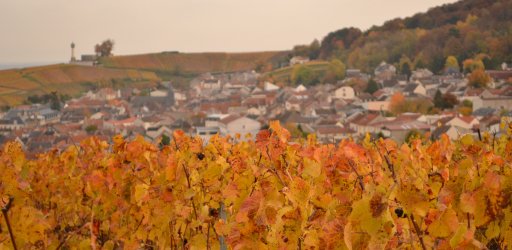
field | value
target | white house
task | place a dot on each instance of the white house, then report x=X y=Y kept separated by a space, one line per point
x=465 y=122
x=213 y=120
x=206 y=133
x=415 y=88
x=210 y=84
x=300 y=88
x=158 y=93
x=298 y=60
x=270 y=87
x=345 y=92
x=234 y=124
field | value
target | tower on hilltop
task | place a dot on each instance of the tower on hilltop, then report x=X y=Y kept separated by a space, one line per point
x=73 y=58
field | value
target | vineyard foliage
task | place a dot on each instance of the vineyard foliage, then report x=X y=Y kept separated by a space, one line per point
x=270 y=193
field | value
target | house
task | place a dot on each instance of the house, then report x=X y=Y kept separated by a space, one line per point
x=332 y=133
x=499 y=102
x=294 y=117
x=450 y=131
x=363 y=123
x=412 y=89
x=106 y=94
x=206 y=133
x=158 y=92
x=299 y=89
x=11 y=123
x=377 y=106
x=464 y=122
x=353 y=73
x=398 y=129
x=421 y=74
x=344 y=92
x=234 y=124
x=500 y=75
x=270 y=87
x=490 y=123
x=483 y=112
x=155 y=133
x=385 y=71
x=212 y=120
x=293 y=103
x=298 y=60
x=210 y=84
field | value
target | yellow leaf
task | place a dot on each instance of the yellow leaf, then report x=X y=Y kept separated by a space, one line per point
x=445 y=225
x=311 y=239
x=467 y=203
x=189 y=193
x=458 y=237
x=493 y=230
x=311 y=168
x=140 y=192
x=467 y=139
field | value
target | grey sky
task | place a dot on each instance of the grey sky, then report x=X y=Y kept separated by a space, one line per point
x=42 y=30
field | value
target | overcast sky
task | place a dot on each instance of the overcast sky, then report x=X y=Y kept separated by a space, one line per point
x=42 y=30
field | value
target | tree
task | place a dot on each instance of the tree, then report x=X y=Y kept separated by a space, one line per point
x=165 y=141
x=478 y=79
x=438 y=100
x=91 y=129
x=314 y=49
x=451 y=65
x=105 y=48
x=372 y=86
x=335 y=71
x=405 y=66
x=469 y=65
x=302 y=74
x=446 y=101
x=397 y=103
x=449 y=100
x=419 y=62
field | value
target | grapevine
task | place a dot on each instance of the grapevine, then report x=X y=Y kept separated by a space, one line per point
x=270 y=193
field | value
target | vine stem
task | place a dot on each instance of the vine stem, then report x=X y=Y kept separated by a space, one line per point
x=5 y=209
x=418 y=232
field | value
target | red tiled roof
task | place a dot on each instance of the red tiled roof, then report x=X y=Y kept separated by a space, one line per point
x=364 y=119
x=229 y=119
x=396 y=126
x=333 y=130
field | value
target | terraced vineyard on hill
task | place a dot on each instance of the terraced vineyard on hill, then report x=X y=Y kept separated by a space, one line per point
x=17 y=84
x=195 y=62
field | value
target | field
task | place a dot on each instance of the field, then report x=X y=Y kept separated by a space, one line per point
x=265 y=194
x=283 y=75
x=194 y=62
x=16 y=85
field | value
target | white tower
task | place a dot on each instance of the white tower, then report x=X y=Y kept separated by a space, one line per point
x=73 y=59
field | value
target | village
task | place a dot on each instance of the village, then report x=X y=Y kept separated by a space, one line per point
x=239 y=105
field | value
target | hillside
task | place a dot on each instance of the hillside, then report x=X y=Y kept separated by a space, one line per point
x=195 y=62
x=284 y=75
x=17 y=84
x=463 y=29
